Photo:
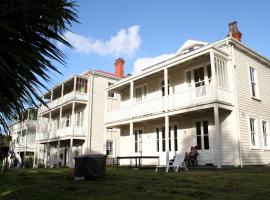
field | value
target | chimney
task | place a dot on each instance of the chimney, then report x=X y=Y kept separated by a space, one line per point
x=234 y=32
x=119 y=67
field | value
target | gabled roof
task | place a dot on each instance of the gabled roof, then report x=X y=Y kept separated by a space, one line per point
x=190 y=45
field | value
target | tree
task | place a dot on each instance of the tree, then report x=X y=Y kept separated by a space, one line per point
x=4 y=150
x=29 y=30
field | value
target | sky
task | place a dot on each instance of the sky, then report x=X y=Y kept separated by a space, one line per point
x=146 y=31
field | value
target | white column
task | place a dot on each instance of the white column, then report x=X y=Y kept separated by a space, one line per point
x=131 y=92
x=217 y=136
x=74 y=86
x=70 y=153
x=46 y=155
x=131 y=130
x=166 y=88
x=60 y=117
x=58 y=153
x=73 y=116
x=214 y=74
x=167 y=138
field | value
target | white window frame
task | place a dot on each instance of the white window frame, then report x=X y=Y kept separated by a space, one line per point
x=267 y=134
x=111 y=92
x=111 y=150
x=257 y=93
x=170 y=87
x=144 y=93
x=256 y=132
x=81 y=118
x=191 y=69
x=172 y=125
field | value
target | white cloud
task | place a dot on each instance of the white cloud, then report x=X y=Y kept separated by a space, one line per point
x=125 y=43
x=142 y=63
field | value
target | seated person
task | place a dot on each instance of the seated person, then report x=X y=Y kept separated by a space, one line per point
x=193 y=155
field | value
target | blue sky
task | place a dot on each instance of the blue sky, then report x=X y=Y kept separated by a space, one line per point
x=141 y=30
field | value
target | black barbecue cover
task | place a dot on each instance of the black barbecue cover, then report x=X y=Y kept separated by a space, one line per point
x=90 y=166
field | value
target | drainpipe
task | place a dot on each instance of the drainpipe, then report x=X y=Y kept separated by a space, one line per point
x=236 y=106
x=91 y=112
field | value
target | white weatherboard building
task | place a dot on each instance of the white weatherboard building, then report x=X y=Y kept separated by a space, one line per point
x=213 y=96
x=23 y=134
x=73 y=121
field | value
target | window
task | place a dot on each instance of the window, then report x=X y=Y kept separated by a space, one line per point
x=170 y=139
x=81 y=85
x=209 y=73
x=199 y=135
x=175 y=139
x=110 y=93
x=189 y=79
x=32 y=114
x=163 y=139
x=253 y=82
x=163 y=87
x=140 y=93
x=138 y=141
x=66 y=121
x=205 y=135
x=109 y=147
x=264 y=130
x=157 y=144
x=253 y=133
x=79 y=118
x=202 y=132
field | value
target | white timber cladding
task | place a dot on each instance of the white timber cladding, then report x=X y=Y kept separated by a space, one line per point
x=74 y=124
x=250 y=107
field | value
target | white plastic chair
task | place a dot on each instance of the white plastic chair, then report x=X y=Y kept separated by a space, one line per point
x=178 y=162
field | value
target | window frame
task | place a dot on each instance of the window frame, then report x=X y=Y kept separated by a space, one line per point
x=111 y=92
x=255 y=146
x=255 y=76
x=111 y=149
x=267 y=134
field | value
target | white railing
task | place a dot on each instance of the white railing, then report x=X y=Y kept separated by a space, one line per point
x=192 y=97
x=62 y=133
x=66 y=98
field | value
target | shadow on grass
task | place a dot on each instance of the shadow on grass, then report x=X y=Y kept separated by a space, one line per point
x=124 y=183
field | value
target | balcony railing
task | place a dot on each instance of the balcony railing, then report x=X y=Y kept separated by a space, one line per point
x=192 y=97
x=66 y=98
x=61 y=133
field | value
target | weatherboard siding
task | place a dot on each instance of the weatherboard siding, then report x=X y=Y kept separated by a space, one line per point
x=259 y=109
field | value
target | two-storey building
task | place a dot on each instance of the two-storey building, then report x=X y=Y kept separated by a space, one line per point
x=72 y=122
x=214 y=96
x=23 y=134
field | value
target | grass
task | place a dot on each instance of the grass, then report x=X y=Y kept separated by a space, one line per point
x=125 y=183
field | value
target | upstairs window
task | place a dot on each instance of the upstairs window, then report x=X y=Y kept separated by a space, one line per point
x=81 y=85
x=163 y=87
x=79 y=118
x=111 y=93
x=253 y=82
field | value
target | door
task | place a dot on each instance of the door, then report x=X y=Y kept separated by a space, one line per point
x=203 y=144
x=199 y=82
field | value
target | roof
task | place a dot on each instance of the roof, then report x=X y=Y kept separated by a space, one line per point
x=189 y=44
x=106 y=73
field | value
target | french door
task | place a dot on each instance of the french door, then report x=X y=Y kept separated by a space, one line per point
x=203 y=141
x=199 y=80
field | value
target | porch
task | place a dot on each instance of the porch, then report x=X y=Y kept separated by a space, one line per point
x=209 y=128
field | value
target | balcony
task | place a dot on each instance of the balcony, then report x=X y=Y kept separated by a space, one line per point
x=61 y=133
x=193 y=97
x=65 y=99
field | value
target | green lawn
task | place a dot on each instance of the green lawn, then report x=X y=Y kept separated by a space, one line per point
x=125 y=183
